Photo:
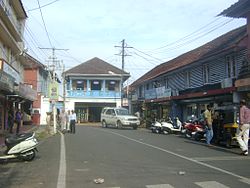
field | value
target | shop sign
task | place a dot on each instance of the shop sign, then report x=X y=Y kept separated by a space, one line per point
x=242 y=82
x=53 y=91
x=163 y=92
x=134 y=97
x=150 y=94
x=6 y=81
x=11 y=71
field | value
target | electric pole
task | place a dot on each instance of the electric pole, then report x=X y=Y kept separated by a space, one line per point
x=123 y=57
x=54 y=66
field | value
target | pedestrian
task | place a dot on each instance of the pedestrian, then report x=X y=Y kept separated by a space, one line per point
x=208 y=123
x=10 y=120
x=69 y=121
x=63 y=120
x=73 y=122
x=18 y=119
x=48 y=121
x=242 y=135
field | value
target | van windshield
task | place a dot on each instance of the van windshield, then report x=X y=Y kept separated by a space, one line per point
x=122 y=112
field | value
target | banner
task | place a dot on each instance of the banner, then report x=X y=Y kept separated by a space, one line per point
x=53 y=91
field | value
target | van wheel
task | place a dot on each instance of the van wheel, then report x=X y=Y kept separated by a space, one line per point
x=119 y=125
x=104 y=124
x=135 y=127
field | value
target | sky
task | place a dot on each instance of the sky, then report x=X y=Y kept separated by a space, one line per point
x=155 y=31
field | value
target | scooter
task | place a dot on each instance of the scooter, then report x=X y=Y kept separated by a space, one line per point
x=170 y=127
x=156 y=127
x=21 y=146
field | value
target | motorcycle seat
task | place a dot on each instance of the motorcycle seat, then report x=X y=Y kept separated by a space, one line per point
x=14 y=139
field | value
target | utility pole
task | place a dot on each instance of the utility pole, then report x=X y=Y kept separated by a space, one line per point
x=123 y=62
x=55 y=65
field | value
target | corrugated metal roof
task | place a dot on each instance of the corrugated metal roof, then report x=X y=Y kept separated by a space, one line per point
x=237 y=10
x=217 y=45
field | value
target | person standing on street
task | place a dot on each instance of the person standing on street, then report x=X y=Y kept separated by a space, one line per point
x=73 y=122
x=18 y=119
x=208 y=123
x=242 y=135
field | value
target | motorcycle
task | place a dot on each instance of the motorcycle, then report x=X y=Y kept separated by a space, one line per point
x=156 y=127
x=170 y=127
x=194 y=129
x=21 y=146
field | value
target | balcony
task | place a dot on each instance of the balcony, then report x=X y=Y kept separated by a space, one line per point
x=93 y=94
x=8 y=16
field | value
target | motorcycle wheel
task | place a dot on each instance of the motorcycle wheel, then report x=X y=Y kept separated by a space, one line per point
x=188 y=135
x=28 y=156
x=197 y=137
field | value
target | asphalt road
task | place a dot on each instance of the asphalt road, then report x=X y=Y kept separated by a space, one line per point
x=128 y=159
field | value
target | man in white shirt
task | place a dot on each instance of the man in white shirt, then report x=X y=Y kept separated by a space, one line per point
x=73 y=122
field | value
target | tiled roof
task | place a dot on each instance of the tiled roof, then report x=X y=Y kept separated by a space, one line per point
x=237 y=10
x=214 y=47
x=95 y=66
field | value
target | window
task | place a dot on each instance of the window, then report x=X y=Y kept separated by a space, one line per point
x=147 y=87
x=231 y=66
x=96 y=85
x=111 y=85
x=206 y=74
x=80 y=84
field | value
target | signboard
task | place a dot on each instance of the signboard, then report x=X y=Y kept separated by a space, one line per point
x=11 y=71
x=53 y=91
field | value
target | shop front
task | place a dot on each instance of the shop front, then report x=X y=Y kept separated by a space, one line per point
x=90 y=112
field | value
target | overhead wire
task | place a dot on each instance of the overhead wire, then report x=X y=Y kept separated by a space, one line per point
x=42 y=6
x=44 y=24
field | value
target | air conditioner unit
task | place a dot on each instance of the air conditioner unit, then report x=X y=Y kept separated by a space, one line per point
x=228 y=82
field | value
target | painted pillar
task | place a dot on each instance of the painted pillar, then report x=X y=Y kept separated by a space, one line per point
x=88 y=85
x=104 y=85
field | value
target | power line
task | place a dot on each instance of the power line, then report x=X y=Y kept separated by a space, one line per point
x=44 y=23
x=42 y=6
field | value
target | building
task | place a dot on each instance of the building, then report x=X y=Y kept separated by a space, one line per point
x=91 y=86
x=14 y=93
x=241 y=9
x=185 y=85
x=37 y=76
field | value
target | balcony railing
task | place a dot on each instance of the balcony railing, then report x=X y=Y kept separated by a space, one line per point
x=93 y=94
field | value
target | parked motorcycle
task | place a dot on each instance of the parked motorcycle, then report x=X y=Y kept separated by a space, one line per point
x=156 y=127
x=170 y=126
x=21 y=146
x=194 y=129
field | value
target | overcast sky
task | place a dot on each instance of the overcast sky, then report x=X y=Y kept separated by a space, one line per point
x=158 y=30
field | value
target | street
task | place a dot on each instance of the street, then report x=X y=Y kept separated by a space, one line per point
x=128 y=159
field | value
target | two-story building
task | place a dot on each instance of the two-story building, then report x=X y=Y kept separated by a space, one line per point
x=37 y=76
x=91 y=86
x=13 y=91
x=185 y=85
x=241 y=9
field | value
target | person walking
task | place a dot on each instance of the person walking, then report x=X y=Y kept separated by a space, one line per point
x=208 y=123
x=73 y=122
x=63 y=120
x=242 y=135
x=69 y=122
x=10 y=120
x=48 y=121
x=18 y=119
